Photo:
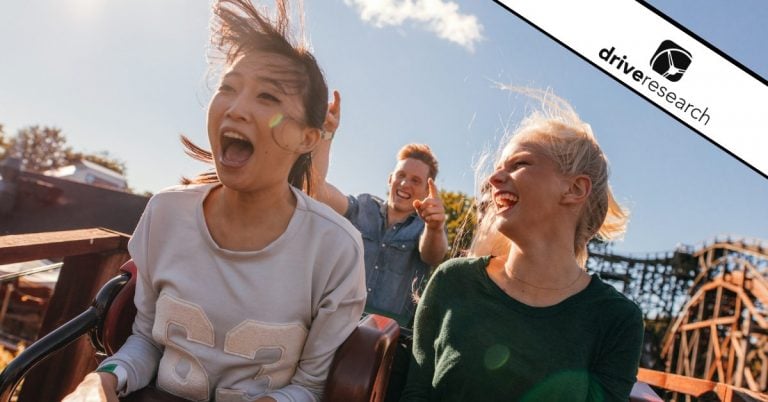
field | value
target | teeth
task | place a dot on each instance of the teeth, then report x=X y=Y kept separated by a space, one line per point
x=508 y=196
x=504 y=199
x=235 y=135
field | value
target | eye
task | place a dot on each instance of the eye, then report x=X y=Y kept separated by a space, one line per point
x=226 y=88
x=519 y=164
x=268 y=96
x=511 y=166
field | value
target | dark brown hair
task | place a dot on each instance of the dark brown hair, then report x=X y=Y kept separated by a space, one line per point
x=238 y=28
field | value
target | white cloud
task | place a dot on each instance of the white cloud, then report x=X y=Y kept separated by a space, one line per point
x=441 y=17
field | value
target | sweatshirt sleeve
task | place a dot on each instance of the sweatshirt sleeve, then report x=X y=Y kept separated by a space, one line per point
x=140 y=355
x=336 y=316
x=426 y=327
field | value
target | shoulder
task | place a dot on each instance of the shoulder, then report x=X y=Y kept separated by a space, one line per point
x=460 y=269
x=612 y=306
x=326 y=220
x=605 y=293
x=178 y=192
x=454 y=277
x=363 y=208
x=177 y=199
x=366 y=200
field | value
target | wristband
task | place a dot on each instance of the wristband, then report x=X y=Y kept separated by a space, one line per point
x=118 y=372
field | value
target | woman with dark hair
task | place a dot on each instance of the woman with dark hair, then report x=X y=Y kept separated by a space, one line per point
x=246 y=286
x=520 y=319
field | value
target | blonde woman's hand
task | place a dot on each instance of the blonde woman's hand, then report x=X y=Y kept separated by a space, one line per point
x=333 y=117
x=95 y=387
x=431 y=209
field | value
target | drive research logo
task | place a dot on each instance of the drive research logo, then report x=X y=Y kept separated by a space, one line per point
x=672 y=67
x=671 y=60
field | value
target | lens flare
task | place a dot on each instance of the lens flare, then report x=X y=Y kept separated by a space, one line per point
x=496 y=357
x=276 y=120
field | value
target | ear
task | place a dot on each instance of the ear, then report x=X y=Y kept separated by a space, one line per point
x=578 y=189
x=310 y=137
x=389 y=179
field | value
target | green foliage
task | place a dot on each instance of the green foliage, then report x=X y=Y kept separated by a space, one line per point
x=460 y=219
x=5 y=143
x=45 y=148
x=40 y=148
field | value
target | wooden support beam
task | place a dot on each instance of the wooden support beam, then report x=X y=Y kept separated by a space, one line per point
x=91 y=257
x=38 y=246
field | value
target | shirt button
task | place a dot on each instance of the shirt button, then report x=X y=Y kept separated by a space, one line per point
x=383 y=245
x=369 y=289
x=375 y=267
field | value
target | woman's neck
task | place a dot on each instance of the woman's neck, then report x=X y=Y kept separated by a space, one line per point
x=241 y=221
x=539 y=274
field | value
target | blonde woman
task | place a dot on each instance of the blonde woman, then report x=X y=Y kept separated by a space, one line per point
x=520 y=319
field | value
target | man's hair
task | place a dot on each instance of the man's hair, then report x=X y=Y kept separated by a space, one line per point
x=420 y=152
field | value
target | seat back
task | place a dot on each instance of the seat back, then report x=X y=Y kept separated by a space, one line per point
x=118 y=320
x=361 y=366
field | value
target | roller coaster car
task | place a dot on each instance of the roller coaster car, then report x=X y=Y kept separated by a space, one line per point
x=359 y=372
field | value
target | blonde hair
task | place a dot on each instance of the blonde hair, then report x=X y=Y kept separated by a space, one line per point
x=560 y=133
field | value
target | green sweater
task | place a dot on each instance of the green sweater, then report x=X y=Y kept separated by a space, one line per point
x=475 y=343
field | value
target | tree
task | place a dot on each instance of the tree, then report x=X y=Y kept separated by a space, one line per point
x=40 y=148
x=5 y=143
x=460 y=220
x=45 y=148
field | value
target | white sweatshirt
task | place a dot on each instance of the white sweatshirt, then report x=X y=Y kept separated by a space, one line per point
x=234 y=326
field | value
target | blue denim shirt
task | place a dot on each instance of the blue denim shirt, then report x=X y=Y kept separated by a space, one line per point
x=393 y=266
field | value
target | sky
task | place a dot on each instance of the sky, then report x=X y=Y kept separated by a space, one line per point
x=128 y=77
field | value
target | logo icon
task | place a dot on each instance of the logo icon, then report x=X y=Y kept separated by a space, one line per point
x=671 y=60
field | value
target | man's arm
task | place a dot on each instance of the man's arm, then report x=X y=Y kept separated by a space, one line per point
x=433 y=243
x=326 y=192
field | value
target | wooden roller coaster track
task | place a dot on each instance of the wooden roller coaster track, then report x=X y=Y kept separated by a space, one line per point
x=712 y=302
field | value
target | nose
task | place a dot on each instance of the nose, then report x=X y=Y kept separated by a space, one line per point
x=498 y=178
x=238 y=110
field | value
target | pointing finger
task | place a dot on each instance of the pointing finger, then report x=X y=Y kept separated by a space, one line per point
x=433 y=193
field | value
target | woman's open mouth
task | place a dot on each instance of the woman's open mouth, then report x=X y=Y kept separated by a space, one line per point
x=235 y=149
x=504 y=200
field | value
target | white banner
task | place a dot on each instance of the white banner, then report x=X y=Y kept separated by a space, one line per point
x=663 y=64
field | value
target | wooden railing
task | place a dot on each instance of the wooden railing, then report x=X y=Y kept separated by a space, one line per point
x=674 y=383
x=90 y=258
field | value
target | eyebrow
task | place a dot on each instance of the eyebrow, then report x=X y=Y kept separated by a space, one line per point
x=277 y=84
x=522 y=153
